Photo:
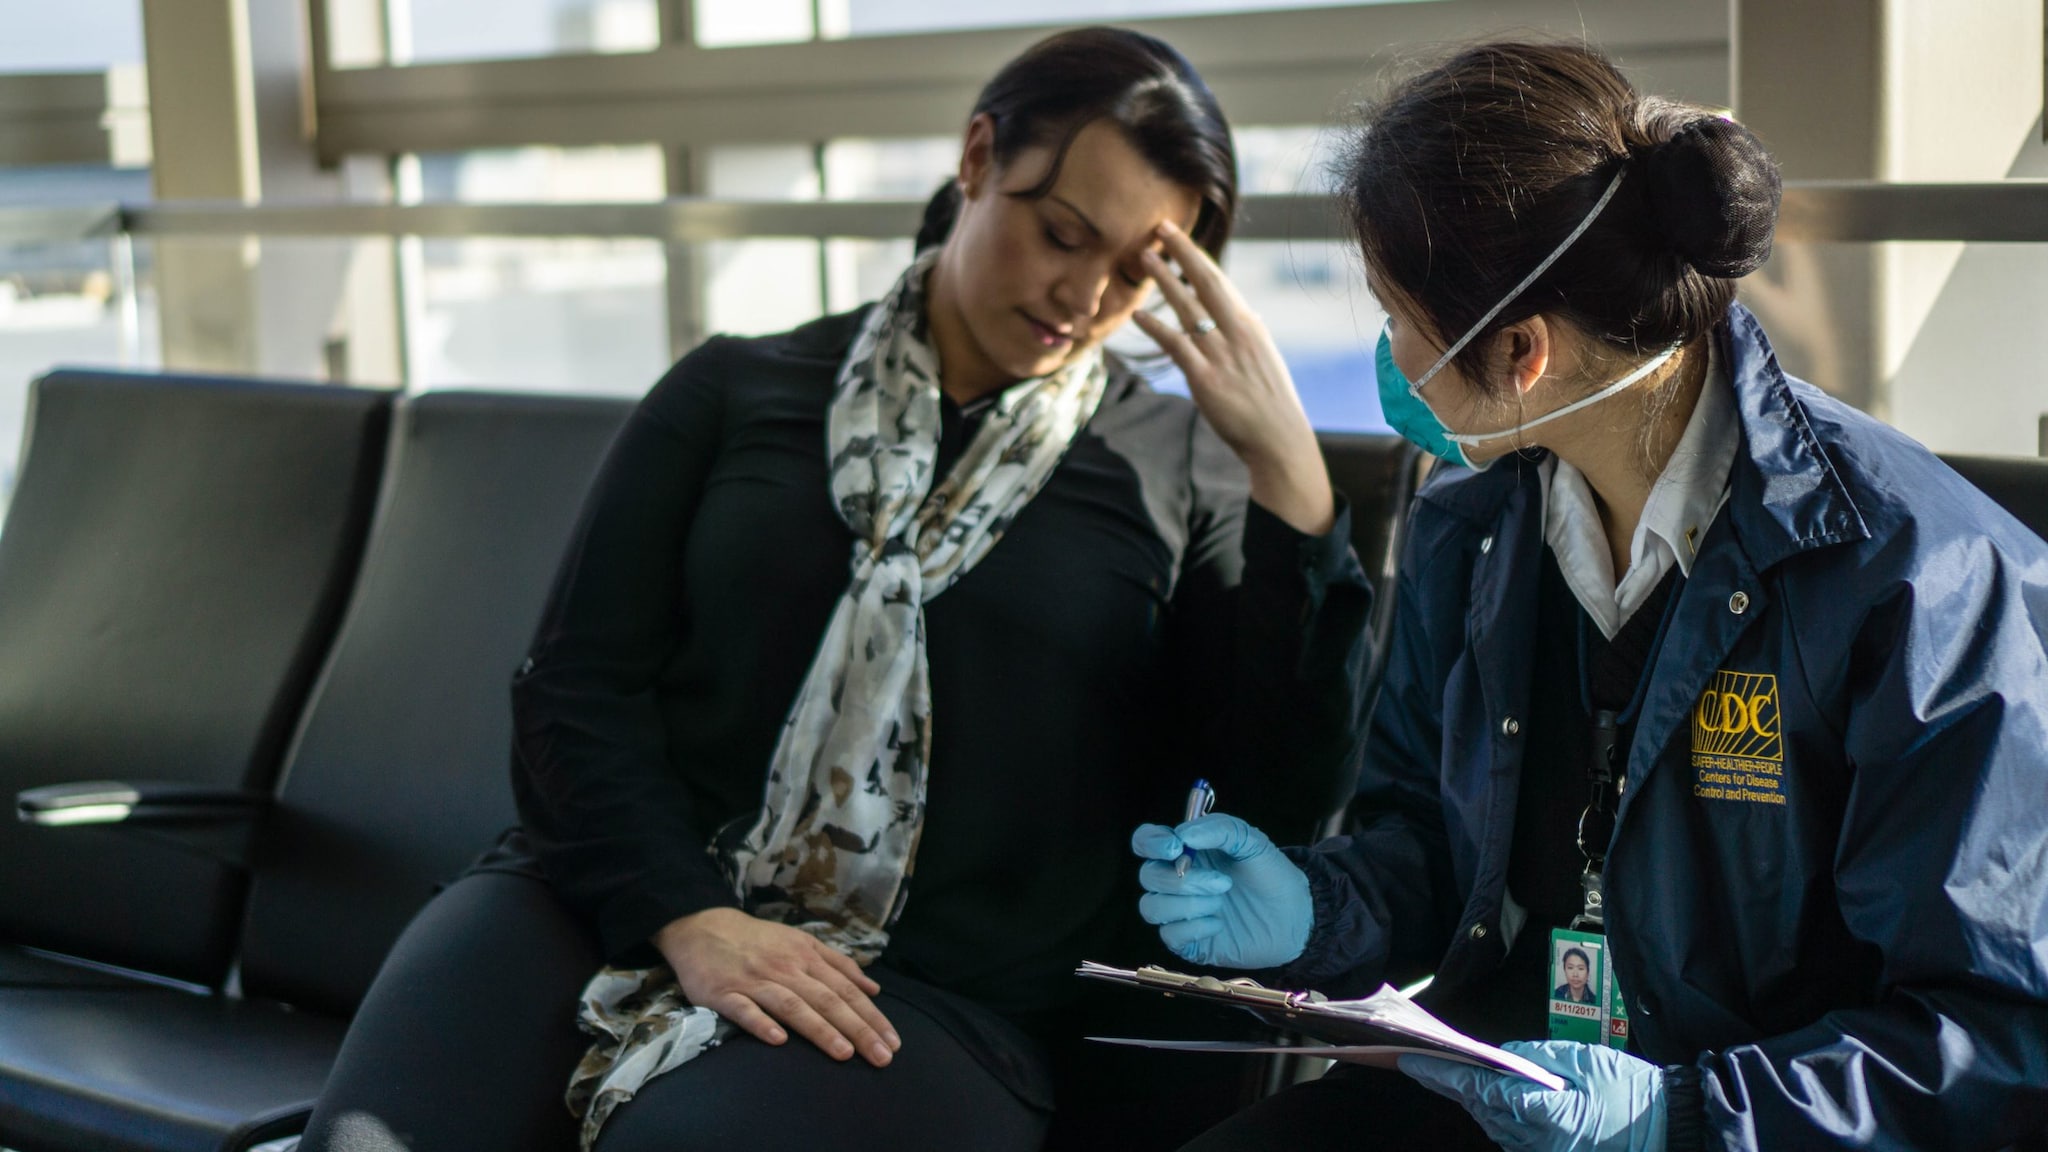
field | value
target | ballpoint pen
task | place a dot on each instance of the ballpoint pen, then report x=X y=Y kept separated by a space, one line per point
x=1201 y=799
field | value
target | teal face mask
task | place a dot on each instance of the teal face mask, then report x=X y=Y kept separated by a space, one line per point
x=1409 y=414
x=1402 y=405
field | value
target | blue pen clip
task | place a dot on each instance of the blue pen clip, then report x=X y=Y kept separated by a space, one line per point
x=1201 y=801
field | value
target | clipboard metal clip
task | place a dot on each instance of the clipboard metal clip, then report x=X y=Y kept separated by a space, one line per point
x=1240 y=990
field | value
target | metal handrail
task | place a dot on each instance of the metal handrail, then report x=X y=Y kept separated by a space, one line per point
x=2010 y=211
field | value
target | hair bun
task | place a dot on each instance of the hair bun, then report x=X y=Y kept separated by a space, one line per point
x=1713 y=191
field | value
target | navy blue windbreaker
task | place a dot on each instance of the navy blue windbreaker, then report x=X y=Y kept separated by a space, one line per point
x=1828 y=884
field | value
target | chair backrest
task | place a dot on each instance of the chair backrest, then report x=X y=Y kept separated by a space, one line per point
x=1378 y=475
x=2019 y=484
x=174 y=565
x=401 y=770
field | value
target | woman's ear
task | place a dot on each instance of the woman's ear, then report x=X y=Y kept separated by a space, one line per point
x=977 y=156
x=1528 y=346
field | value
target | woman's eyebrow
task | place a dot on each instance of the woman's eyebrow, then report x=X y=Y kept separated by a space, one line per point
x=1082 y=216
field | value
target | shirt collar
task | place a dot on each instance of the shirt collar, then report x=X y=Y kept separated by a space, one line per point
x=1683 y=502
x=1694 y=483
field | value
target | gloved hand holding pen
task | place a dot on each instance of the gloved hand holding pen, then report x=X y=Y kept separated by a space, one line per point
x=1242 y=903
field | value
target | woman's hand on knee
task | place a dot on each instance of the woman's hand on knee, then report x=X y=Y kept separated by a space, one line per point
x=771 y=979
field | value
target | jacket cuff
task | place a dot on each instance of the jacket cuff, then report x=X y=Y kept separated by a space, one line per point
x=1685 y=1119
x=1334 y=939
x=1273 y=547
x=626 y=923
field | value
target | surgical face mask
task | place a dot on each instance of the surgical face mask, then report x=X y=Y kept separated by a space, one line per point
x=1409 y=414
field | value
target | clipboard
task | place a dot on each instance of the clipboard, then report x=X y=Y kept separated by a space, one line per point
x=1375 y=1030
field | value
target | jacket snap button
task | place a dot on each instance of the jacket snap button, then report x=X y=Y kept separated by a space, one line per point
x=1739 y=603
x=1479 y=931
x=1510 y=727
x=1485 y=545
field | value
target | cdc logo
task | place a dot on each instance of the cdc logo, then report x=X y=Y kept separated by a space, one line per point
x=1737 y=716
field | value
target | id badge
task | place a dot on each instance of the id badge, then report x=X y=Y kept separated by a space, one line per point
x=1585 y=1004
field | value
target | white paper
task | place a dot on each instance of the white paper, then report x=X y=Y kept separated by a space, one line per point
x=1387 y=1009
x=1377 y=1055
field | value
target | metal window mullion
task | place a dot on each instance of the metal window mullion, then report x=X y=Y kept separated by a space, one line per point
x=1278 y=67
x=408 y=272
x=824 y=243
x=684 y=270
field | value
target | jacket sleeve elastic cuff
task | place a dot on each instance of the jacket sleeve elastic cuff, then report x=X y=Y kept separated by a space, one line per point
x=1685 y=1120
x=1275 y=548
x=1340 y=926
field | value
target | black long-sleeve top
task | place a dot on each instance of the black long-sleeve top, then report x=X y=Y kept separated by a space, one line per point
x=1141 y=624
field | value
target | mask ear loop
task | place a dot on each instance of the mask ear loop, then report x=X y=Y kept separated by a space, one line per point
x=1614 y=185
x=1648 y=366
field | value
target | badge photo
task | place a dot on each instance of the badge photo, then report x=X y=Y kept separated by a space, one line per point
x=1577 y=980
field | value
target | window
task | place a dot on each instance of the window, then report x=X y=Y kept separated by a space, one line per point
x=75 y=36
x=435 y=31
x=753 y=287
x=910 y=169
x=570 y=314
x=69 y=302
x=721 y=23
x=1311 y=294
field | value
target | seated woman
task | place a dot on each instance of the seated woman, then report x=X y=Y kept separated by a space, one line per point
x=939 y=583
x=1693 y=667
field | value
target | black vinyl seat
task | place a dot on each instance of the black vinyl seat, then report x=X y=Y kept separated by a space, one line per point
x=398 y=774
x=175 y=562
x=2018 y=484
x=402 y=771
x=1378 y=475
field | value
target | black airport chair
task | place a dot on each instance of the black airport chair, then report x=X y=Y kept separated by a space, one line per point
x=398 y=774
x=174 y=566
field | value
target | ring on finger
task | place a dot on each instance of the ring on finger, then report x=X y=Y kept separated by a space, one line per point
x=1203 y=327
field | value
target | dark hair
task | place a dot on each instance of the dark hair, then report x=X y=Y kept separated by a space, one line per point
x=1070 y=80
x=1463 y=178
x=1580 y=953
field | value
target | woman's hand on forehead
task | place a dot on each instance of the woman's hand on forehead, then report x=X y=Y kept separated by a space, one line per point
x=1239 y=380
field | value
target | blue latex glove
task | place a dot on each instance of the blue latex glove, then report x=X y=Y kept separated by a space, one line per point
x=1241 y=905
x=1615 y=1102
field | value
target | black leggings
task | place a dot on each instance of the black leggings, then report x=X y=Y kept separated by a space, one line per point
x=468 y=1036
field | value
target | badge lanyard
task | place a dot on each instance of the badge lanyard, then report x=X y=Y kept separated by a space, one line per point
x=1607 y=768
x=1597 y=1015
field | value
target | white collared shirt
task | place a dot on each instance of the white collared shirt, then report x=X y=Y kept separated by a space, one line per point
x=1682 y=504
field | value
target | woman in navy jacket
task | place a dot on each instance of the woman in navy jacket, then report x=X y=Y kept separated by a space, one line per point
x=1790 y=769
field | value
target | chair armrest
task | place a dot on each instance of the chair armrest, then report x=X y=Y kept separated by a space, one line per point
x=218 y=823
x=137 y=802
